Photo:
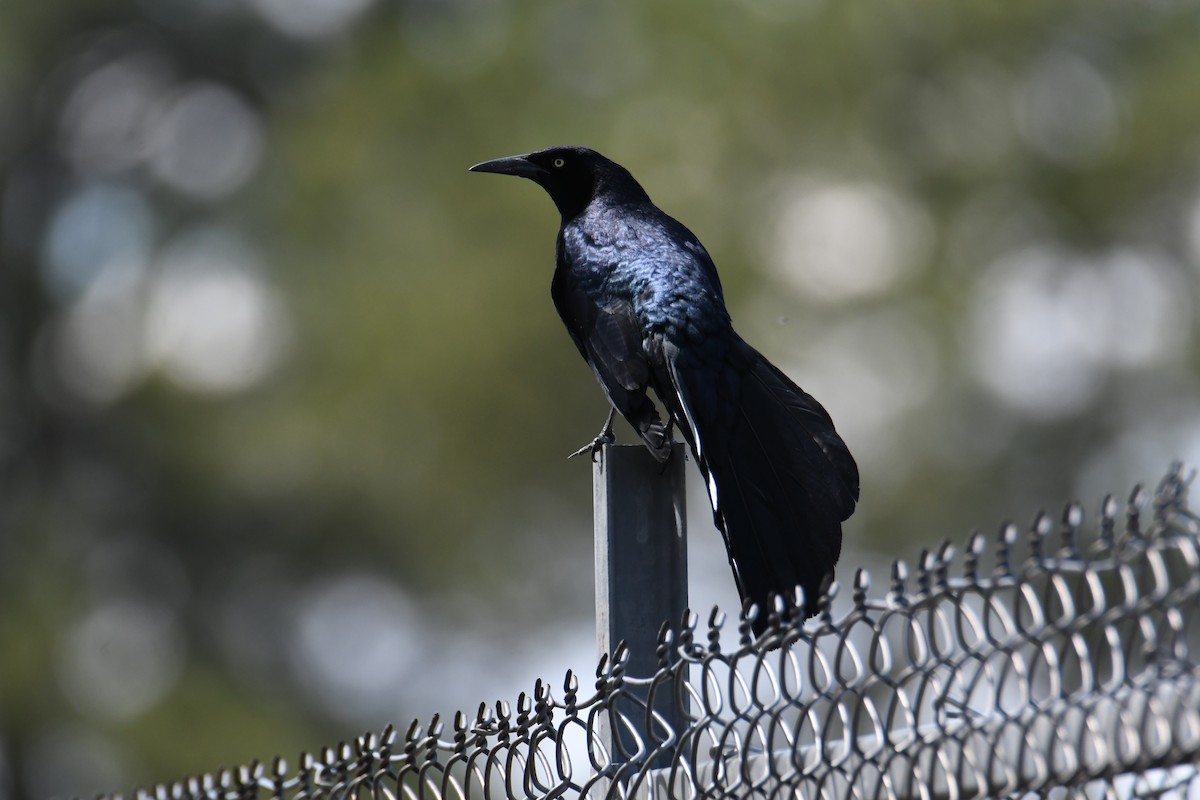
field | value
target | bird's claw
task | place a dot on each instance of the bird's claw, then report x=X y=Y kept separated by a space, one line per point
x=604 y=437
x=593 y=447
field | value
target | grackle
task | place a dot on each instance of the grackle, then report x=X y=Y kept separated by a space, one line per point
x=641 y=299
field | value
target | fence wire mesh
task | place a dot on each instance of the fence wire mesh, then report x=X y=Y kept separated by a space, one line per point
x=1061 y=662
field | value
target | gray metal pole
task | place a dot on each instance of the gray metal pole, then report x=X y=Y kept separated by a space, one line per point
x=641 y=564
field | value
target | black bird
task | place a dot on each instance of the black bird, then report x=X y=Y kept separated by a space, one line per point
x=641 y=298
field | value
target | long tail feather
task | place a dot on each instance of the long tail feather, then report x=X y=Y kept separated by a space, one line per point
x=780 y=478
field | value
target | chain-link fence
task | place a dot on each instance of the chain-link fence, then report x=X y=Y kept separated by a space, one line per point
x=1058 y=662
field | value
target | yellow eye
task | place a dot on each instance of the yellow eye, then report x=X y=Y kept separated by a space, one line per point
x=558 y=162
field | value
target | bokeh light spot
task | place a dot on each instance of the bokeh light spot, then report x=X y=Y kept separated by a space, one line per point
x=120 y=659
x=101 y=236
x=311 y=19
x=357 y=636
x=104 y=127
x=95 y=346
x=212 y=323
x=1067 y=110
x=1047 y=324
x=843 y=241
x=207 y=142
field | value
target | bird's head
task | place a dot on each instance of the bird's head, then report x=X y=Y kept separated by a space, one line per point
x=573 y=176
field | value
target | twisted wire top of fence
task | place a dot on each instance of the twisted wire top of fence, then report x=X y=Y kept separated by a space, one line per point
x=1060 y=660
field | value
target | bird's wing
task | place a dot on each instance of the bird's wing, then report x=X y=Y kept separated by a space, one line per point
x=609 y=338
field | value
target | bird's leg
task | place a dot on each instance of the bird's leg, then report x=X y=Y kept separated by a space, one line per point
x=604 y=437
x=670 y=445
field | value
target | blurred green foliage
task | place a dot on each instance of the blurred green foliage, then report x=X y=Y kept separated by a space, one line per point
x=289 y=342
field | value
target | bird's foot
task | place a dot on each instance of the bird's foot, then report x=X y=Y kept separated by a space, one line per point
x=604 y=437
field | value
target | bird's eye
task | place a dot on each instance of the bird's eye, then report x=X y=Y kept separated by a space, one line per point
x=558 y=162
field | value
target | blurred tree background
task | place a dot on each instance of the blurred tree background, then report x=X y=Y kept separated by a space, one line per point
x=284 y=401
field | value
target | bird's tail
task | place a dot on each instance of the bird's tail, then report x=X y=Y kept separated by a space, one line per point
x=779 y=477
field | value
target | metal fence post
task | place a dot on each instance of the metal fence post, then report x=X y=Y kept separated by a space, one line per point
x=641 y=565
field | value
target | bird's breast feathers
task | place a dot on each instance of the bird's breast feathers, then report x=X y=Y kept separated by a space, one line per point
x=669 y=286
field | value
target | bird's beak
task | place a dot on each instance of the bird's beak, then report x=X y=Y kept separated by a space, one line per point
x=513 y=165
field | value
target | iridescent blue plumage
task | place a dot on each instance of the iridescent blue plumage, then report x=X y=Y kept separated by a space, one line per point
x=634 y=252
